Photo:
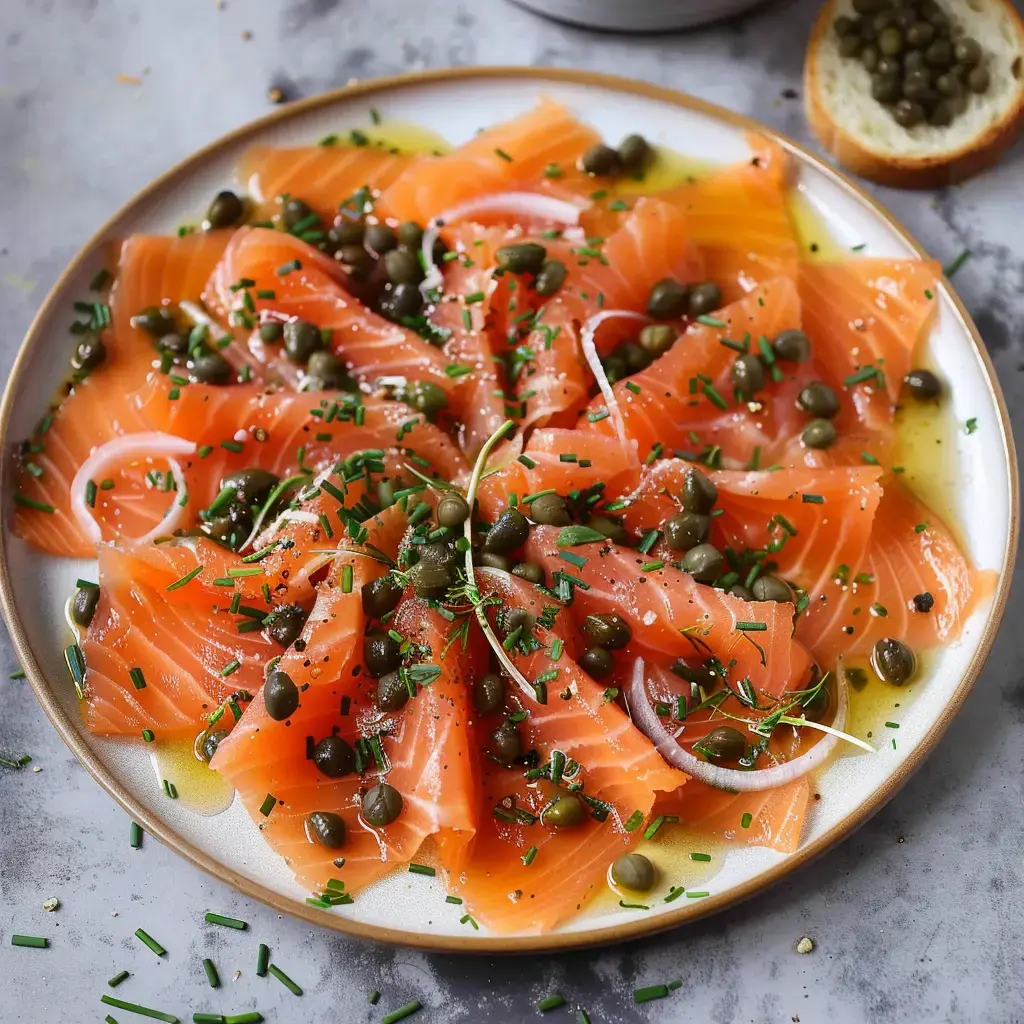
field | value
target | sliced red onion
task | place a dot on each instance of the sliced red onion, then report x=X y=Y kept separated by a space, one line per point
x=647 y=720
x=525 y=204
x=594 y=362
x=150 y=445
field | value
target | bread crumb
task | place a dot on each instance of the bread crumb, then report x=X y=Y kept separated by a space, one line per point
x=246 y=34
x=51 y=904
x=276 y=94
x=128 y=80
x=805 y=945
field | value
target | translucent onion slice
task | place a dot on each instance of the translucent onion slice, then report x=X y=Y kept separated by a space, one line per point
x=647 y=720
x=113 y=454
x=524 y=204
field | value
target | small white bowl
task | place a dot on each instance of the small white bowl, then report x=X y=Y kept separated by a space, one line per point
x=638 y=15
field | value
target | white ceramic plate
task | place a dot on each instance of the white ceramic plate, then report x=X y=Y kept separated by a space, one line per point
x=407 y=908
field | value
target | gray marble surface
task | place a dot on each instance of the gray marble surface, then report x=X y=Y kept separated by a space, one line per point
x=916 y=918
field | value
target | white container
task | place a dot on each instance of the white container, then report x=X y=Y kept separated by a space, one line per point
x=638 y=15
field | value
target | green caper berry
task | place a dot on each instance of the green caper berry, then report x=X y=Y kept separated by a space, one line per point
x=530 y=571
x=550 y=510
x=699 y=494
x=488 y=693
x=600 y=160
x=505 y=743
x=83 y=605
x=687 y=530
x=89 y=353
x=870 y=56
x=609 y=527
x=939 y=55
x=511 y=619
x=522 y=258
x=979 y=79
x=942 y=114
x=703 y=562
x=326 y=372
x=287 y=623
x=704 y=298
x=949 y=84
x=850 y=45
x=334 y=757
x=792 y=346
x=890 y=41
x=382 y=805
x=301 y=340
x=565 y=812
x=819 y=434
x=893 y=661
x=509 y=532
x=668 y=299
x=358 y=263
x=425 y=396
x=403 y=267
x=294 y=212
x=252 y=485
x=347 y=232
x=634 y=153
x=382 y=653
x=657 y=338
x=327 y=828
x=609 y=631
x=392 y=692
x=923 y=385
x=815 y=708
x=818 y=400
x=489 y=560
x=920 y=34
x=225 y=211
x=771 y=588
x=156 y=321
x=844 y=25
x=380 y=596
x=597 y=662
x=633 y=871
x=431 y=580
x=271 y=331
x=635 y=357
x=380 y=238
x=885 y=88
x=724 y=743
x=967 y=51
x=550 y=277
x=410 y=234
x=740 y=591
x=452 y=510
x=399 y=301
x=747 y=375
x=280 y=695
x=211 y=368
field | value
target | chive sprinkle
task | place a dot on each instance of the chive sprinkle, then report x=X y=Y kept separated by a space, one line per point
x=211 y=973
x=117 y=979
x=148 y=940
x=228 y=922
x=135 y=836
x=711 y=321
x=142 y=1011
x=634 y=821
x=27 y=502
x=137 y=678
x=90 y=493
x=30 y=941
x=704 y=857
x=262 y=960
x=374 y=997
x=286 y=268
x=527 y=858
x=645 y=995
x=552 y=1002
x=752 y=627
x=284 y=979
x=251 y=1017
x=746 y=820
x=950 y=269
x=402 y=1012
x=456 y=900
x=697 y=895
x=422 y=869
x=209 y=1018
x=269 y=801
x=187 y=578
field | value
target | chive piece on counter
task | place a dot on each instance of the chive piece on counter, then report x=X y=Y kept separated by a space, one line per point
x=148 y=940
x=109 y=1020
x=118 y=978
x=457 y=900
x=208 y=1018
x=211 y=973
x=30 y=941
x=552 y=1002
x=284 y=979
x=402 y=1012
x=142 y=1011
x=582 y=1017
x=950 y=269
x=374 y=997
x=645 y=995
x=262 y=959
x=228 y=922
x=700 y=856
x=251 y=1017
x=422 y=869
x=135 y=836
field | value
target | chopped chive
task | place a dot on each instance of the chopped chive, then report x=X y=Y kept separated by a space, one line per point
x=971 y=425
x=812 y=499
x=90 y=493
x=149 y=941
x=346 y=579
x=137 y=678
x=204 y=450
x=238 y=573
x=674 y=893
x=470 y=920
x=453 y=899
x=652 y=830
x=869 y=459
x=135 y=836
x=187 y=578
x=268 y=804
x=262 y=959
x=250 y=1017
x=228 y=922
x=142 y=1011
x=527 y=461
x=634 y=821
x=230 y=667
x=402 y=1012
x=863 y=374
x=30 y=941
x=711 y=321
x=211 y=973
x=950 y=269
x=208 y=1018
x=704 y=857
x=26 y=502
x=374 y=997
x=527 y=858
x=645 y=995
x=552 y=1002
x=422 y=869
x=117 y=979
x=232 y=446
x=286 y=268
x=697 y=895
x=75 y=661
x=284 y=979
x=746 y=819
x=752 y=627
x=892 y=725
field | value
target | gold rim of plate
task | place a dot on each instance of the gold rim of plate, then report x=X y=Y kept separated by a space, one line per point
x=632 y=928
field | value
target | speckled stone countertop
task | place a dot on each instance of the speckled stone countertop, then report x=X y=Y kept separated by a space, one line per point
x=916 y=918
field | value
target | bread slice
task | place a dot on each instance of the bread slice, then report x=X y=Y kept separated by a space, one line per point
x=862 y=135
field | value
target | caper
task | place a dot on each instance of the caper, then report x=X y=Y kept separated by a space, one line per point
x=924 y=602
x=704 y=298
x=380 y=238
x=522 y=258
x=724 y=743
x=509 y=532
x=155 y=321
x=614 y=367
x=425 y=396
x=699 y=494
x=634 y=153
x=816 y=706
x=668 y=299
x=635 y=357
x=431 y=580
x=890 y=41
x=657 y=338
x=686 y=530
x=845 y=25
x=232 y=527
x=271 y=331
x=401 y=300
x=280 y=695
x=771 y=588
x=566 y=812
x=819 y=434
x=868 y=6
x=704 y=563
x=410 y=234
x=252 y=485
x=301 y=340
x=452 y=510
x=747 y=375
x=949 y=84
x=967 y=51
x=742 y=592
x=492 y=561
x=920 y=34
x=918 y=86
x=327 y=828
x=347 y=232
x=505 y=743
x=89 y=353
x=893 y=661
x=382 y=653
x=609 y=527
x=380 y=596
x=511 y=619
x=633 y=871
x=403 y=267
x=819 y=400
x=441 y=552
x=294 y=212
x=334 y=757
x=488 y=693
x=609 y=631
x=600 y=160
x=913 y=61
x=792 y=346
x=908 y=113
x=210 y=368
x=979 y=79
x=326 y=372
x=225 y=210
x=893 y=67
x=382 y=805
x=529 y=571
x=597 y=662
x=358 y=263
x=83 y=605
x=939 y=55
x=850 y=46
x=212 y=739
x=287 y=623
x=550 y=277
x=870 y=56
x=942 y=114
x=392 y=692
x=885 y=88
x=550 y=510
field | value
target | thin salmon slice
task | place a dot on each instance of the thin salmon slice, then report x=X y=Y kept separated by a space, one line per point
x=182 y=645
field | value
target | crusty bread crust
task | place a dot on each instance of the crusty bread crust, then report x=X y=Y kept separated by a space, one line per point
x=895 y=170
